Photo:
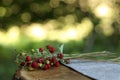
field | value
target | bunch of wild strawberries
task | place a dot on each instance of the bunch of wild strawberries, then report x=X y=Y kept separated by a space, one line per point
x=42 y=58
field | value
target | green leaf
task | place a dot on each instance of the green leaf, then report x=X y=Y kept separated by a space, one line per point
x=38 y=51
x=61 y=48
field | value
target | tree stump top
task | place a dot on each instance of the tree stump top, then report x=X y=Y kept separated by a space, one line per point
x=58 y=73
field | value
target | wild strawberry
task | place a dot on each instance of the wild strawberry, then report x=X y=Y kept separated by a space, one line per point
x=57 y=64
x=41 y=49
x=48 y=46
x=28 y=64
x=34 y=64
x=23 y=53
x=33 y=50
x=48 y=65
x=22 y=63
x=52 y=49
x=28 y=58
x=54 y=60
x=40 y=60
x=40 y=64
x=47 y=62
x=45 y=67
x=60 y=55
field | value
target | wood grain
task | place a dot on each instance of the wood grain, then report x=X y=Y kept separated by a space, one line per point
x=56 y=73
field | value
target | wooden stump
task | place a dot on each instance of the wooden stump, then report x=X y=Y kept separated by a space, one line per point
x=57 y=73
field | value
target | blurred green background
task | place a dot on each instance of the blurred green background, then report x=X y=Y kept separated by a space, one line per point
x=81 y=25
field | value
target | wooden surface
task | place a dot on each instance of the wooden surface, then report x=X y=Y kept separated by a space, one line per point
x=56 y=73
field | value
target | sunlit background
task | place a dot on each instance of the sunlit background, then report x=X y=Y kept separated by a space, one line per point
x=82 y=25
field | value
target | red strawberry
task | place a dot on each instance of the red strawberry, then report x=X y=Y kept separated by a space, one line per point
x=57 y=64
x=45 y=67
x=34 y=64
x=60 y=55
x=40 y=60
x=41 y=49
x=48 y=65
x=48 y=46
x=22 y=63
x=54 y=60
x=28 y=58
x=52 y=49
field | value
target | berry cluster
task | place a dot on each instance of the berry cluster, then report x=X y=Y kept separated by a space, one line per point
x=42 y=58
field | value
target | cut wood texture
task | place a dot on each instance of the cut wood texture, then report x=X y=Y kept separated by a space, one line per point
x=57 y=73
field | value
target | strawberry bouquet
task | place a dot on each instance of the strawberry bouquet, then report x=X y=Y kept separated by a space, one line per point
x=41 y=58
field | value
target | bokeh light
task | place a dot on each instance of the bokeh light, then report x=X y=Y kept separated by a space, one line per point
x=2 y=11
x=49 y=31
x=10 y=37
x=35 y=7
x=13 y=34
x=26 y=17
x=71 y=34
x=35 y=32
x=54 y=3
x=15 y=8
x=103 y=10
